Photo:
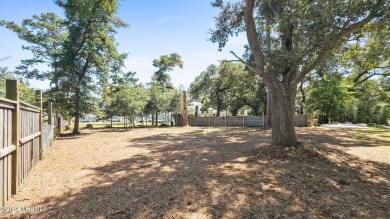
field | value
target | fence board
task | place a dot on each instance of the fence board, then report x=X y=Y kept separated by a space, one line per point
x=29 y=141
x=5 y=180
x=2 y=129
x=300 y=120
x=234 y=121
x=6 y=150
x=9 y=157
x=2 y=175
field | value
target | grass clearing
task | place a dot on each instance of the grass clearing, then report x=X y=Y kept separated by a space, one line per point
x=374 y=137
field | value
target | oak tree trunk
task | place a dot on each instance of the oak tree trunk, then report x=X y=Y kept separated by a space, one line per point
x=283 y=104
x=77 y=113
x=268 y=114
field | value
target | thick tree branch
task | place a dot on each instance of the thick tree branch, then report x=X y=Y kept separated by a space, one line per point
x=321 y=55
x=356 y=83
x=253 y=36
x=361 y=74
x=250 y=66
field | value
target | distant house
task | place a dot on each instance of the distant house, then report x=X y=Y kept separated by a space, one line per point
x=118 y=118
x=89 y=118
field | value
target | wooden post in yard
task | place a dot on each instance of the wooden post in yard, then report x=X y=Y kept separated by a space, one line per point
x=38 y=103
x=262 y=114
x=50 y=113
x=59 y=121
x=185 y=119
x=12 y=93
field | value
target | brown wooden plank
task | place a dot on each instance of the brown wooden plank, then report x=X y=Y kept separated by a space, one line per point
x=38 y=140
x=29 y=109
x=7 y=101
x=9 y=128
x=9 y=176
x=28 y=153
x=5 y=180
x=22 y=119
x=6 y=106
x=3 y=141
x=30 y=146
x=1 y=182
x=27 y=159
x=25 y=145
x=2 y=125
x=9 y=157
x=6 y=151
x=24 y=104
x=20 y=165
x=33 y=152
x=24 y=161
x=29 y=125
x=21 y=124
x=29 y=138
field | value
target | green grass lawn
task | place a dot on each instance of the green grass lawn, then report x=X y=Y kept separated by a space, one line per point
x=377 y=132
x=374 y=136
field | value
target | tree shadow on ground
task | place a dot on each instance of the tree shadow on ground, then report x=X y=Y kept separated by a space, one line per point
x=67 y=136
x=230 y=173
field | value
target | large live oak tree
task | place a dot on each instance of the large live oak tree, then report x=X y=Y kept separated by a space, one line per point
x=288 y=39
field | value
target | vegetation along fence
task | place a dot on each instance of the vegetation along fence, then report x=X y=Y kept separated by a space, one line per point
x=21 y=139
x=249 y=121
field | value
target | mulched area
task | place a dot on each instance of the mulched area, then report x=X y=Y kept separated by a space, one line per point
x=205 y=173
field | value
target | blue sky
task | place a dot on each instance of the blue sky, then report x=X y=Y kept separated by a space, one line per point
x=156 y=28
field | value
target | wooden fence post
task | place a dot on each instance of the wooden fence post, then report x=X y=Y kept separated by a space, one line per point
x=59 y=124
x=262 y=115
x=38 y=103
x=185 y=119
x=12 y=93
x=50 y=112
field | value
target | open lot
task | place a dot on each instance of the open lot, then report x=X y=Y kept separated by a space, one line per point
x=210 y=173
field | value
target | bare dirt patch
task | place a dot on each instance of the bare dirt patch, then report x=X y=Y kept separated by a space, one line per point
x=205 y=173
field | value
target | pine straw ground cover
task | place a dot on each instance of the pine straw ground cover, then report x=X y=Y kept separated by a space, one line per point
x=206 y=173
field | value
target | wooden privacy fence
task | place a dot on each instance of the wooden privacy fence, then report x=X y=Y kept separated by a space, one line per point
x=252 y=121
x=21 y=139
x=249 y=121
